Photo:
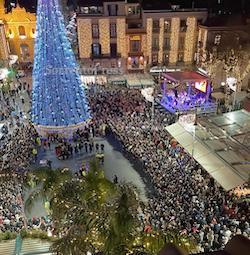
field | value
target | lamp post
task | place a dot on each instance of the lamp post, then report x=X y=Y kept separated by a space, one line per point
x=194 y=128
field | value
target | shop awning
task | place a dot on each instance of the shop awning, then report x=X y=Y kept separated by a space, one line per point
x=220 y=144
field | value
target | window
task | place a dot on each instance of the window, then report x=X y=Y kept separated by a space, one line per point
x=135 y=45
x=166 y=43
x=112 y=9
x=180 y=57
x=183 y=26
x=25 y=52
x=155 y=59
x=113 y=30
x=21 y=31
x=33 y=33
x=133 y=10
x=181 y=43
x=95 y=31
x=96 y=49
x=217 y=39
x=90 y=10
x=165 y=58
x=167 y=25
x=155 y=43
x=113 y=49
x=156 y=24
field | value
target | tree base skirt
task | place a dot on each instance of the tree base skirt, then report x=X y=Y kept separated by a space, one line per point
x=63 y=131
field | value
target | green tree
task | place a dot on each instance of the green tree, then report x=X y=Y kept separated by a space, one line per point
x=45 y=182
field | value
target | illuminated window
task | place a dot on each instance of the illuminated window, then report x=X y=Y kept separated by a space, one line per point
x=21 y=31
x=135 y=45
x=167 y=25
x=165 y=59
x=180 y=57
x=133 y=10
x=217 y=39
x=183 y=26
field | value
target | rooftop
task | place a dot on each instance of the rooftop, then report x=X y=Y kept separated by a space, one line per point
x=185 y=76
x=220 y=144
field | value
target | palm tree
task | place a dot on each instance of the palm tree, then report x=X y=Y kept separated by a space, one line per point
x=45 y=182
x=93 y=214
x=123 y=222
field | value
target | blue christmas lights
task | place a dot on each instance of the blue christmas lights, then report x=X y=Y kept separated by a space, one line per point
x=58 y=97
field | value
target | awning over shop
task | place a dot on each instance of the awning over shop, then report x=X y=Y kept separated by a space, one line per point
x=220 y=144
x=139 y=80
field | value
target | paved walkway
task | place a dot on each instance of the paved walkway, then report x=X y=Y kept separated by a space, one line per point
x=115 y=163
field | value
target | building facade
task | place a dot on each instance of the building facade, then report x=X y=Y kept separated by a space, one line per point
x=20 y=32
x=133 y=36
x=4 y=45
x=220 y=35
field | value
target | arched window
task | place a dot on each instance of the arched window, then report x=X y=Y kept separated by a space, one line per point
x=21 y=31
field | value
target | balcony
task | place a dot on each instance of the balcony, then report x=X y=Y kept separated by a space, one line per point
x=166 y=47
x=105 y=56
x=155 y=48
x=90 y=11
x=156 y=29
x=135 y=28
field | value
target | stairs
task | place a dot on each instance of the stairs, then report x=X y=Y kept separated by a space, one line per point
x=7 y=247
x=35 y=247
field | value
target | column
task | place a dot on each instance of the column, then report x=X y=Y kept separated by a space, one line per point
x=84 y=37
x=161 y=41
x=174 y=40
x=104 y=34
x=121 y=37
x=149 y=39
x=190 y=40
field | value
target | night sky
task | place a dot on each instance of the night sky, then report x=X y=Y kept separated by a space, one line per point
x=226 y=6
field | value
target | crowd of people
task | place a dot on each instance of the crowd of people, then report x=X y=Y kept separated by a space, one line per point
x=16 y=154
x=187 y=199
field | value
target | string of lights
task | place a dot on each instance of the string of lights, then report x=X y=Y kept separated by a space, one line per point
x=58 y=95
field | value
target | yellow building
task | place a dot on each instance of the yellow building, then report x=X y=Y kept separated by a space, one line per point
x=137 y=37
x=20 y=32
x=4 y=46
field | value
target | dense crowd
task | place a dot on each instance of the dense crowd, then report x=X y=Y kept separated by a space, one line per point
x=12 y=216
x=17 y=144
x=187 y=199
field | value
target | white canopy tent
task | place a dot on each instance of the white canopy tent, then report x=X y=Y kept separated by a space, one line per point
x=224 y=173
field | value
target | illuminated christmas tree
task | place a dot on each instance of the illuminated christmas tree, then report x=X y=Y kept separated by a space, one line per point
x=59 y=103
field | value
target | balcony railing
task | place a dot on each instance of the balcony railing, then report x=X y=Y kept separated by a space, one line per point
x=101 y=56
x=155 y=48
x=166 y=47
x=156 y=29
